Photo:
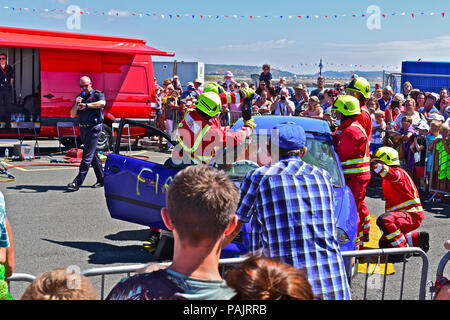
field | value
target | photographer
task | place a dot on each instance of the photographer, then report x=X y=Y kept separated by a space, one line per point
x=395 y=108
x=282 y=105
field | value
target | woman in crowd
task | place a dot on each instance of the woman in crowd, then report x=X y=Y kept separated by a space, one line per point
x=313 y=109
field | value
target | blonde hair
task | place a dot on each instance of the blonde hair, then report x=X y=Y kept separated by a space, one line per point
x=60 y=284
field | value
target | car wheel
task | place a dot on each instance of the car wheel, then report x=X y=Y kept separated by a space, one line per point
x=105 y=140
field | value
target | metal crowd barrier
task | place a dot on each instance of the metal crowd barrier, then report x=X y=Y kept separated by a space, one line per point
x=226 y=263
x=440 y=272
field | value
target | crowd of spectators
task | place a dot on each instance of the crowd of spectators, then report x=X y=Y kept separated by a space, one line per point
x=412 y=121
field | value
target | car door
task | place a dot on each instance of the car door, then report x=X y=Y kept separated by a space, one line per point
x=135 y=188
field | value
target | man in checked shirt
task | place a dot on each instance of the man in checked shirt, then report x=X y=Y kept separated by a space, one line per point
x=292 y=205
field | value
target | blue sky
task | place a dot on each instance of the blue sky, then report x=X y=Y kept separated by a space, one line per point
x=274 y=35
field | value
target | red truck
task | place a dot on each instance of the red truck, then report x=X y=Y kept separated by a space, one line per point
x=49 y=64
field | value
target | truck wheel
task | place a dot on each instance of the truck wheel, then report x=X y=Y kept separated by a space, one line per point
x=105 y=140
x=70 y=142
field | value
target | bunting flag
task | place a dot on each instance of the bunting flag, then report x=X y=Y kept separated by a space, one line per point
x=337 y=66
x=175 y=16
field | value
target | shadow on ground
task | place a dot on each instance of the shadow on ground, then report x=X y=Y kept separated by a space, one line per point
x=106 y=254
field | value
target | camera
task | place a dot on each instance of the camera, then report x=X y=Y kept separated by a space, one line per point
x=395 y=104
x=282 y=98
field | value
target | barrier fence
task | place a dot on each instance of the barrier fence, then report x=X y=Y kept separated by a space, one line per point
x=224 y=264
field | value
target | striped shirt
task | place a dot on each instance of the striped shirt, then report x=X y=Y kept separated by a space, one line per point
x=291 y=208
x=4 y=240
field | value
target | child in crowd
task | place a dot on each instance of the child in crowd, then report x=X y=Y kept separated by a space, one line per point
x=391 y=133
x=60 y=284
x=263 y=278
x=406 y=133
x=266 y=76
x=442 y=158
x=435 y=126
x=378 y=133
x=419 y=148
x=313 y=109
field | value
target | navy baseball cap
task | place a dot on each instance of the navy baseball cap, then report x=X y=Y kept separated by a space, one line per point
x=291 y=136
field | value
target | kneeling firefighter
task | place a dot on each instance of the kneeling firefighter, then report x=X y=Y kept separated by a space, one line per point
x=200 y=135
x=404 y=212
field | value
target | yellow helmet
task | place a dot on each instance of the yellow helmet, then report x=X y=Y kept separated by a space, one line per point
x=213 y=87
x=347 y=105
x=360 y=85
x=209 y=103
x=387 y=155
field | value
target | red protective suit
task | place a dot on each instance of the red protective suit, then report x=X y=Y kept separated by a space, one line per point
x=199 y=138
x=352 y=146
x=404 y=212
x=365 y=120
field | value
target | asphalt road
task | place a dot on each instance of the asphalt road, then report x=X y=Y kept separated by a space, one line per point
x=54 y=228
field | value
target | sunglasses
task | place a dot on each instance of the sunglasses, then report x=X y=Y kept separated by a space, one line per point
x=84 y=85
x=2 y=58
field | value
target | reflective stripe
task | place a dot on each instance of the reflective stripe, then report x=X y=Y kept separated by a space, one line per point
x=355 y=161
x=415 y=209
x=356 y=170
x=393 y=234
x=404 y=204
x=385 y=171
x=197 y=141
x=398 y=241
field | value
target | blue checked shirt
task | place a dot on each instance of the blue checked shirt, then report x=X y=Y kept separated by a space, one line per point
x=4 y=240
x=291 y=208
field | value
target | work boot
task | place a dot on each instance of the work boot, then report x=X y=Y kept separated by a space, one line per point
x=152 y=243
x=394 y=258
x=365 y=237
x=424 y=239
x=73 y=186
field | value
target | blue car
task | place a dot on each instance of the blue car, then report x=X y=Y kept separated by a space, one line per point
x=135 y=188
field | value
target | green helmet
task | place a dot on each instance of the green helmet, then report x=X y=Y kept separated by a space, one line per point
x=360 y=85
x=347 y=105
x=209 y=103
x=387 y=155
x=213 y=87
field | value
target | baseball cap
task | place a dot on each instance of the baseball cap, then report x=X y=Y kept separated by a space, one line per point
x=333 y=92
x=434 y=95
x=228 y=74
x=197 y=80
x=291 y=136
x=190 y=84
x=423 y=126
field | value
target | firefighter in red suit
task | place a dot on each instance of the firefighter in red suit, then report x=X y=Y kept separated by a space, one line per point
x=404 y=212
x=352 y=146
x=200 y=135
x=359 y=87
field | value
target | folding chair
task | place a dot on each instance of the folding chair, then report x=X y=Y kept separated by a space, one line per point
x=63 y=135
x=30 y=126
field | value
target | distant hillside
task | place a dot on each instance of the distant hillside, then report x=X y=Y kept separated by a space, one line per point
x=241 y=71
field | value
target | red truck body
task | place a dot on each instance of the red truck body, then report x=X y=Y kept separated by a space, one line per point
x=120 y=67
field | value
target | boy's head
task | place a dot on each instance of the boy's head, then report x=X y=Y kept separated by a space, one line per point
x=406 y=122
x=379 y=116
x=435 y=125
x=266 y=68
x=60 y=284
x=201 y=203
x=423 y=128
x=445 y=130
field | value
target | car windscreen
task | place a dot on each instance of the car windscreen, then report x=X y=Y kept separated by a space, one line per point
x=255 y=154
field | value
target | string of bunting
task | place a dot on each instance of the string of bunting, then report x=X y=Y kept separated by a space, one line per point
x=113 y=12
x=337 y=65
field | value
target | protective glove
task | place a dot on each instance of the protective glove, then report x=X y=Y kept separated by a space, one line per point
x=251 y=123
